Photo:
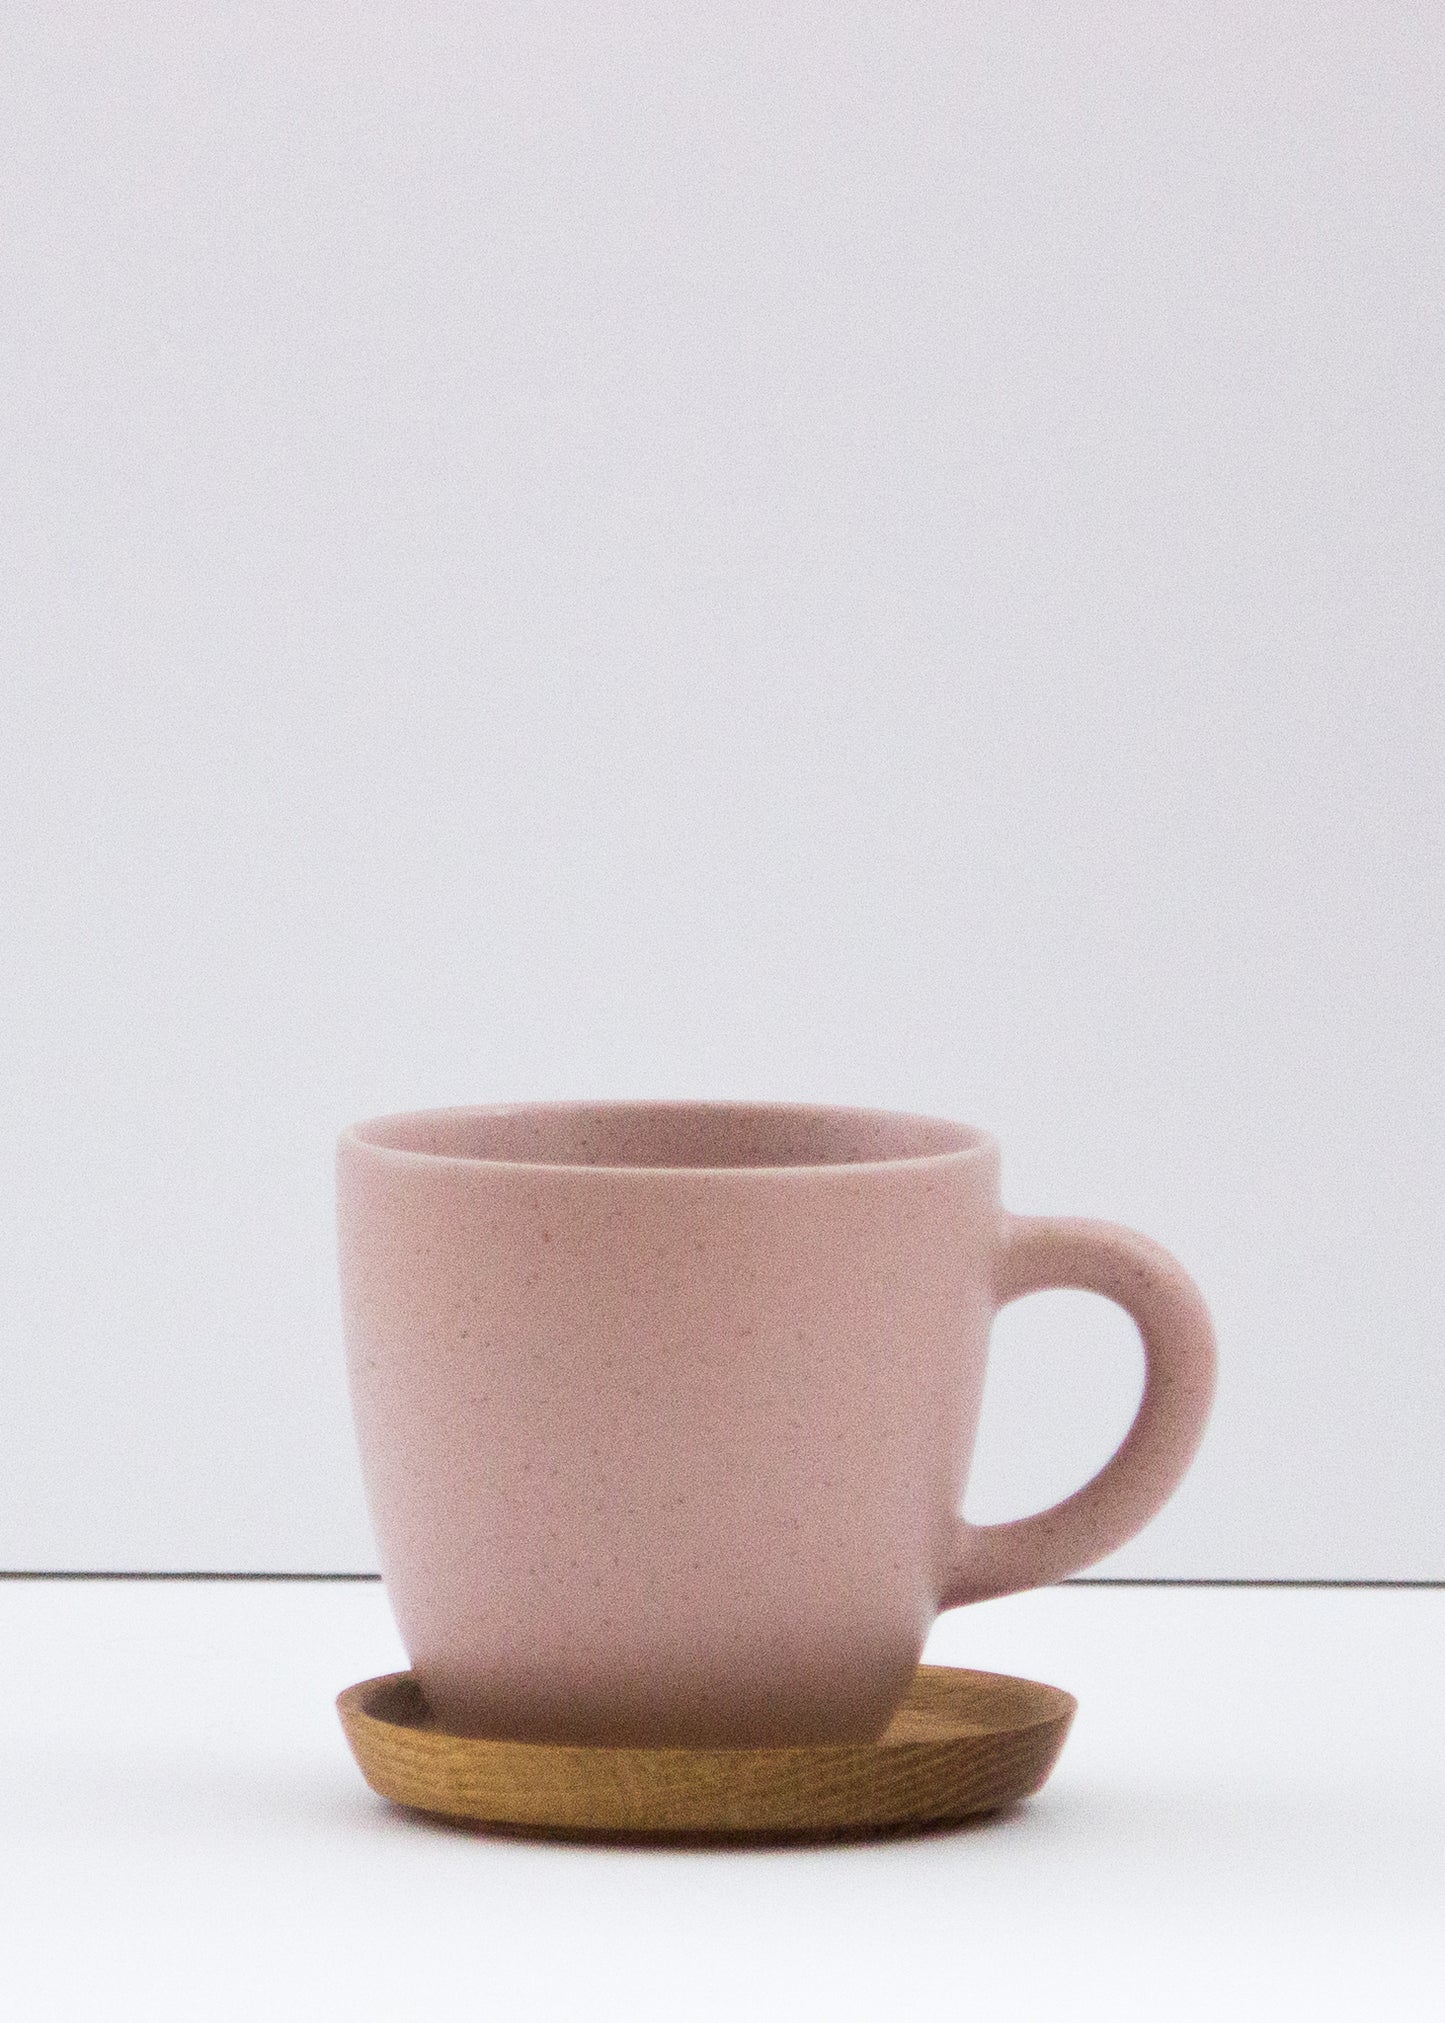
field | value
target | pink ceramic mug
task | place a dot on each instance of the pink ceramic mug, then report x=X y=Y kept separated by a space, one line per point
x=666 y=1409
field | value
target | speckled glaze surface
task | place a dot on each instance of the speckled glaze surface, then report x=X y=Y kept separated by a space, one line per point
x=665 y=1409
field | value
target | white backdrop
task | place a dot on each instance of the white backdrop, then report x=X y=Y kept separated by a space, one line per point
x=877 y=553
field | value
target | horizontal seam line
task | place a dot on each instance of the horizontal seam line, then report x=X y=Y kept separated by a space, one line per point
x=104 y=1573
x=180 y=1574
x=1186 y=1581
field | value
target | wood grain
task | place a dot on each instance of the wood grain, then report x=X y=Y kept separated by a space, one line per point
x=963 y=1743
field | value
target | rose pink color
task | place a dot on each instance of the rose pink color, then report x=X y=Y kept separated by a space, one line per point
x=666 y=1409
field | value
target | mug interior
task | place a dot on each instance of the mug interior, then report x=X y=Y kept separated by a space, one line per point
x=664 y=1135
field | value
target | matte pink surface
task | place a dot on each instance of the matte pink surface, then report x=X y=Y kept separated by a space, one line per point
x=665 y=1410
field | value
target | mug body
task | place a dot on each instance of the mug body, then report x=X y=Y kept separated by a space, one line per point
x=665 y=1409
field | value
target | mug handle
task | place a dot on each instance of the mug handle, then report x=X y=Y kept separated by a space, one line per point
x=1043 y=1252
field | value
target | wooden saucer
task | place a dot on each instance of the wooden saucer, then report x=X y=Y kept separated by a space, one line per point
x=962 y=1743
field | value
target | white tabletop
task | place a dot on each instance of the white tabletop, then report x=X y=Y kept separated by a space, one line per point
x=1247 y=1821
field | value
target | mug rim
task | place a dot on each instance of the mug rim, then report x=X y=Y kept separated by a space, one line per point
x=970 y=1141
